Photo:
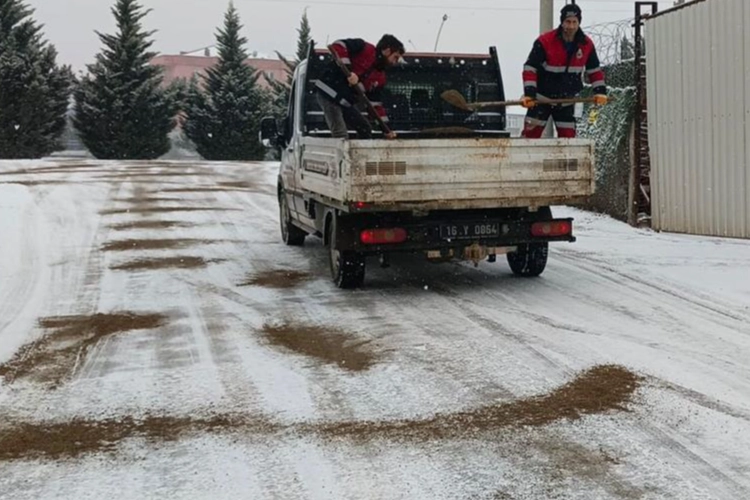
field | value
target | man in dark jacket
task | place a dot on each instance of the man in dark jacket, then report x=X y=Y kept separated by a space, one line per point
x=554 y=70
x=367 y=64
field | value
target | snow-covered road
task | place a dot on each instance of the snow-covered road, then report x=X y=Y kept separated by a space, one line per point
x=157 y=340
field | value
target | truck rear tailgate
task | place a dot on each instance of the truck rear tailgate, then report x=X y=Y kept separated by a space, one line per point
x=469 y=173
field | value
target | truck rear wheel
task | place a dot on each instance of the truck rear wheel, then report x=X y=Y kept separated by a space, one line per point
x=290 y=234
x=529 y=260
x=347 y=267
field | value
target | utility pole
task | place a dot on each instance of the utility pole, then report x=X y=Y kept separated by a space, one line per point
x=546 y=15
x=546 y=23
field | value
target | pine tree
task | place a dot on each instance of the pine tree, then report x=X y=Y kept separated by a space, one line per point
x=224 y=110
x=34 y=90
x=122 y=111
x=279 y=89
x=627 y=49
x=179 y=89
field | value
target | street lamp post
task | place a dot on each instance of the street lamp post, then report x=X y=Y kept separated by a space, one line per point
x=445 y=18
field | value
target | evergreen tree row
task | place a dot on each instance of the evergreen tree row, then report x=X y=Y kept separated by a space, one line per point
x=122 y=109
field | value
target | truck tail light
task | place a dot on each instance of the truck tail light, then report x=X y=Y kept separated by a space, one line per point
x=383 y=236
x=551 y=228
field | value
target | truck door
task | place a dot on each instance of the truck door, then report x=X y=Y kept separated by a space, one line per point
x=297 y=143
x=290 y=153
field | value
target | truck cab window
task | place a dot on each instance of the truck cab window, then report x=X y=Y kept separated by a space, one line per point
x=289 y=122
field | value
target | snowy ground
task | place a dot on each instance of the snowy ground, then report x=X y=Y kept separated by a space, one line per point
x=158 y=341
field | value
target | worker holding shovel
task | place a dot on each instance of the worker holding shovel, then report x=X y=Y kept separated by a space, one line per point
x=353 y=82
x=553 y=71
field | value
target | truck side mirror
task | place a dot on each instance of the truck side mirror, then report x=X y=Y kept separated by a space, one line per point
x=269 y=132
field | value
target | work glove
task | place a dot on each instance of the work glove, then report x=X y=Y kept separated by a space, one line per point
x=600 y=99
x=528 y=102
x=593 y=115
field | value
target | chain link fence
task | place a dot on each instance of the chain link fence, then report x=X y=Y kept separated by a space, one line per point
x=611 y=127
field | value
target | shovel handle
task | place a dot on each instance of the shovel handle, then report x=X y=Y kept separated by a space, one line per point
x=570 y=100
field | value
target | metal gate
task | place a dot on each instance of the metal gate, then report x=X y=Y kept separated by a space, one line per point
x=640 y=189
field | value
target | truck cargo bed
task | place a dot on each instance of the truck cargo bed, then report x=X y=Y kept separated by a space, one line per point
x=449 y=173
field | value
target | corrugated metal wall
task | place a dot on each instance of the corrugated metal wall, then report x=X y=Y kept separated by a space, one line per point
x=698 y=79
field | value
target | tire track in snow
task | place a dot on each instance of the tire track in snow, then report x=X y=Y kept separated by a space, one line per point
x=714 y=311
x=88 y=293
x=227 y=331
x=220 y=348
x=102 y=356
x=692 y=465
x=425 y=341
x=15 y=303
x=705 y=401
x=460 y=302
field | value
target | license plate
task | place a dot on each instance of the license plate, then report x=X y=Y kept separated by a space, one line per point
x=470 y=230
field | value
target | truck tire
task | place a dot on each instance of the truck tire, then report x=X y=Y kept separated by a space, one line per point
x=290 y=234
x=347 y=267
x=529 y=260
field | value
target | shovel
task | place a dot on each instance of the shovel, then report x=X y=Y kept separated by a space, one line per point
x=455 y=98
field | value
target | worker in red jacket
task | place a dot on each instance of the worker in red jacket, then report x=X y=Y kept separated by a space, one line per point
x=368 y=64
x=554 y=70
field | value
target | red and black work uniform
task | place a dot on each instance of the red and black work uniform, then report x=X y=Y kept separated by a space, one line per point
x=554 y=70
x=361 y=58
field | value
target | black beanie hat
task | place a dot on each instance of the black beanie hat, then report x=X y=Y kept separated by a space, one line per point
x=570 y=10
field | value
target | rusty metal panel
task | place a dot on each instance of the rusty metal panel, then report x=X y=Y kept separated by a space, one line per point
x=450 y=173
x=502 y=172
x=698 y=71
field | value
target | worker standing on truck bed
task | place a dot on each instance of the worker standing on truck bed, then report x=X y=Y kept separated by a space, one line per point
x=367 y=64
x=553 y=71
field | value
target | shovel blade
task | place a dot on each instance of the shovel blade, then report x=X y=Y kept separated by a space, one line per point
x=455 y=98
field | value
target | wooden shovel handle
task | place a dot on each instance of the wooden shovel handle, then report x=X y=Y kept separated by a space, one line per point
x=571 y=100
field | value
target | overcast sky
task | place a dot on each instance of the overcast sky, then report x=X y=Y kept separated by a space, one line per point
x=184 y=25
